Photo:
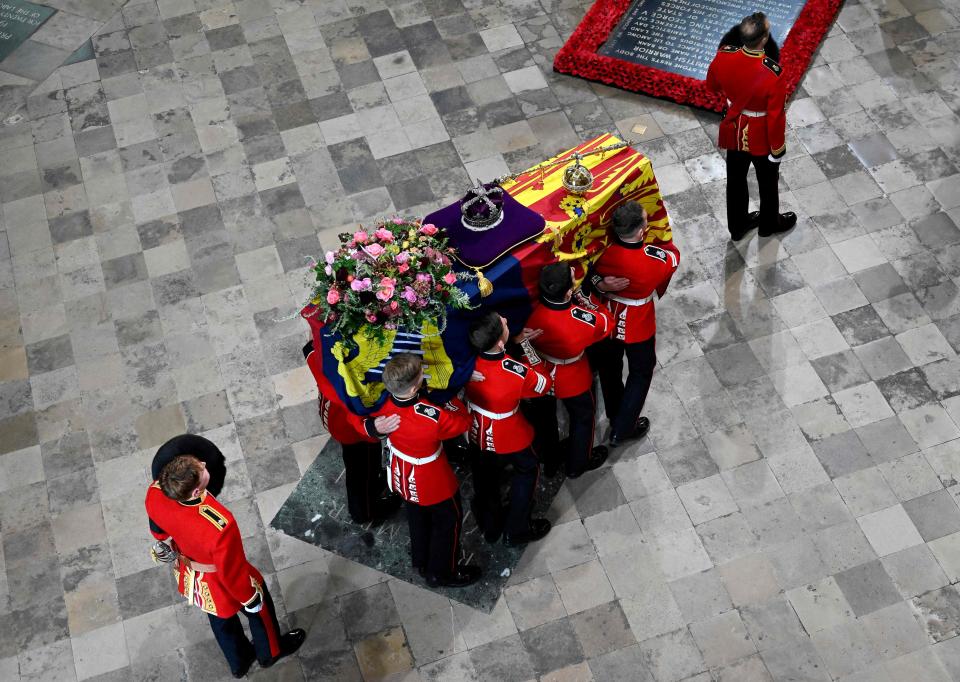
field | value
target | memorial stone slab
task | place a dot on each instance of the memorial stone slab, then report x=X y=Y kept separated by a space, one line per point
x=18 y=21
x=682 y=36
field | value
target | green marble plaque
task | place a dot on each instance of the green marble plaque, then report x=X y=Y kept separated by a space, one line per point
x=316 y=513
x=18 y=21
x=81 y=54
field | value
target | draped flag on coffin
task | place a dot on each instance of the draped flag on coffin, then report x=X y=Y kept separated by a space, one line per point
x=576 y=231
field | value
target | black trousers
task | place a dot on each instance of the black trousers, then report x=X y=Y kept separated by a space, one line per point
x=581 y=410
x=738 y=197
x=624 y=403
x=435 y=535
x=264 y=629
x=366 y=479
x=487 y=501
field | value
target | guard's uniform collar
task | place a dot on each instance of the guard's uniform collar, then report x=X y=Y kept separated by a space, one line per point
x=628 y=245
x=752 y=53
x=555 y=305
x=487 y=355
x=407 y=402
x=195 y=501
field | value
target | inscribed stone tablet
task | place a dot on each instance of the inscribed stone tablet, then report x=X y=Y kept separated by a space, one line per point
x=682 y=36
x=18 y=21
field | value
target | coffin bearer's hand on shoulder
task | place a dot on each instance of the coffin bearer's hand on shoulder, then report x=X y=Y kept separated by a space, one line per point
x=387 y=424
x=527 y=334
x=613 y=283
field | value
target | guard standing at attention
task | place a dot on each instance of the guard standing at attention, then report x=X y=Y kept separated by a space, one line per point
x=419 y=472
x=368 y=499
x=753 y=129
x=211 y=568
x=501 y=435
x=630 y=275
x=562 y=329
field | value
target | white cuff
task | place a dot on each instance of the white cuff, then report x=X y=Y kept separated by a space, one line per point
x=775 y=159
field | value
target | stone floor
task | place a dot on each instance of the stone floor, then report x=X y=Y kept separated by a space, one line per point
x=793 y=513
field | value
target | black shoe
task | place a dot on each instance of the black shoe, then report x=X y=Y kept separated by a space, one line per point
x=552 y=469
x=466 y=574
x=244 y=668
x=537 y=531
x=386 y=507
x=786 y=222
x=753 y=221
x=596 y=459
x=639 y=431
x=289 y=643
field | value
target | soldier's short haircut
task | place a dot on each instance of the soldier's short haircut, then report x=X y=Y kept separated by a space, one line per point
x=485 y=331
x=180 y=477
x=753 y=29
x=628 y=218
x=401 y=372
x=555 y=281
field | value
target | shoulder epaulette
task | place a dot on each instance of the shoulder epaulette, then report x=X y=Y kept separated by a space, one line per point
x=729 y=48
x=213 y=516
x=772 y=65
x=583 y=316
x=428 y=411
x=517 y=368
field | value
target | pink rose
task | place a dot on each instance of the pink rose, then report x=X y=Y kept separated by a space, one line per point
x=327 y=269
x=387 y=286
x=403 y=268
x=330 y=257
x=361 y=236
x=374 y=250
x=402 y=257
x=333 y=297
x=383 y=234
x=409 y=295
x=450 y=278
x=371 y=317
x=361 y=284
x=429 y=229
x=394 y=306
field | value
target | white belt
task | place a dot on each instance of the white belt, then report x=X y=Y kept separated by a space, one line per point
x=489 y=414
x=417 y=461
x=631 y=301
x=749 y=113
x=559 y=361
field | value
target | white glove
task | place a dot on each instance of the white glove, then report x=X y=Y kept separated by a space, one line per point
x=255 y=608
x=162 y=553
x=775 y=159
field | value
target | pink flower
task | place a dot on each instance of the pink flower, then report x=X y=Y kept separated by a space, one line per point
x=374 y=250
x=387 y=286
x=450 y=278
x=333 y=297
x=361 y=284
x=361 y=236
x=371 y=317
x=330 y=257
x=409 y=295
x=428 y=229
x=402 y=257
x=383 y=234
x=327 y=269
x=394 y=306
x=398 y=221
x=424 y=277
x=403 y=268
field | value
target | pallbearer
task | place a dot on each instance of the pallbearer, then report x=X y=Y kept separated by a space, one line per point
x=419 y=472
x=501 y=435
x=561 y=328
x=630 y=275
x=368 y=499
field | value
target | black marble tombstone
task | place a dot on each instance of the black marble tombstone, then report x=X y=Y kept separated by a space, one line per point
x=681 y=36
x=18 y=21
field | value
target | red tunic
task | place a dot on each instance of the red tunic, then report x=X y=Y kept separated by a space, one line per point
x=207 y=533
x=423 y=427
x=568 y=329
x=751 y=82
x=505 y=382
x=343 y=425
x=649 y=269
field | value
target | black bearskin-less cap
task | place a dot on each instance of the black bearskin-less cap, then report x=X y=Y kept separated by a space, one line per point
x=555 y=281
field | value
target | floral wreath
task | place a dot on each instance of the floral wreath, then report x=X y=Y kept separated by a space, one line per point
x=396 y=275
